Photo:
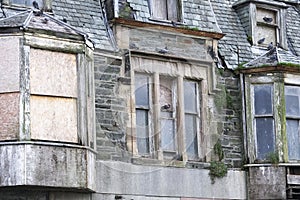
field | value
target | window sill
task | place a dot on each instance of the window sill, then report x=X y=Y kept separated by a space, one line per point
x=270 y=164
x=165 y=21
x=170 y=163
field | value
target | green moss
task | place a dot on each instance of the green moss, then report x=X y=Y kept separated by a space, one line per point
x=250 y=40
x=273 y=157
x=241 y=66
x=217 y=169
x=218 y=150
x=289 y=64
x=223 y=99
x=190 y=28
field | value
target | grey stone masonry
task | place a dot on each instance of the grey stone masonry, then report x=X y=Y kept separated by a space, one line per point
x=228 y=103
x=111 y=115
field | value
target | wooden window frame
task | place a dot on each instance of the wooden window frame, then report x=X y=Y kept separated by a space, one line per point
x=279 y=26
x=154 y=129
x=287 y=117
x=158 y=152
x=261 y=116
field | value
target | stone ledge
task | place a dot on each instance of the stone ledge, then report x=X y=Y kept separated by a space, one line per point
x=46 y=165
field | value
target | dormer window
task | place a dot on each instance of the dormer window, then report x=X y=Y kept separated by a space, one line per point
x=267 y=25
x=169 y=10
x=264 y=22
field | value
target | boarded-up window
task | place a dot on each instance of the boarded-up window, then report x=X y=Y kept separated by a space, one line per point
x=266 y=27
x=292 y=95
x=264 y=121
x=53 y=101
x=166 y=10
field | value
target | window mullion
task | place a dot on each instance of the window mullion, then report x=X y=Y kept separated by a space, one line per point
x=156 y=114
x=181 y=122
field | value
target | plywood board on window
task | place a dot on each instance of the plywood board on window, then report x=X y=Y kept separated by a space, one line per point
x=267 y=14
x=9 y=116
x=269 y=33
x=9 y=64
x=53 y=118
x=53 y=73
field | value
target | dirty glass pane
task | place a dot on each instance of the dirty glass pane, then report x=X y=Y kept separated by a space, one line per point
x=141 y=90
x=190 y=96
x=292 y=105
x=292 y=129
x=292 y=94
x=263 y=99
x=142 y=131
x=168 y=140
x=191 y=136
x=265 y=137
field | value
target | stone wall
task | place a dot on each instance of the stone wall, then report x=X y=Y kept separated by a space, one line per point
x=228 y=101
x=267 y=182
x=111 y=115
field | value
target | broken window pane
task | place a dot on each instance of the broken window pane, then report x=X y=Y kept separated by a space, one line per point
x=190 y=96
x=263 y=99
x=191 y=136
x=167 y=93
x=292 y=129
x=265 y=137
x=142 y=131
x=168 y=139
x=142 y=90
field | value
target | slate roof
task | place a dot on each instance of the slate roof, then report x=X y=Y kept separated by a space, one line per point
x=293 y=29
x=274 y=57
x=230 y=23
x=197 y=14
x=39 y=21
x=87 y=16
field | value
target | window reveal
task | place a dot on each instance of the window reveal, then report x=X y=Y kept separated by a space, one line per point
x=168 y=143
x=263 y=120
x=142 y=102
x=191 y=114
x=167 y=101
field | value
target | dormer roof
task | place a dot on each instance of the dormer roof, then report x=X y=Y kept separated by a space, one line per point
x=274 y=57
